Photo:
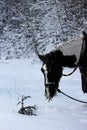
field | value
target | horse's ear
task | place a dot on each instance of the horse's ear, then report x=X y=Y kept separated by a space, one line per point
x=84 y=34
x=41 y=57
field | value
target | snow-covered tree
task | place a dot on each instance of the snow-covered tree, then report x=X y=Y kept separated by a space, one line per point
x=38 y=25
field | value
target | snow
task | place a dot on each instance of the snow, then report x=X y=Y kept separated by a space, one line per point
x=21 y=77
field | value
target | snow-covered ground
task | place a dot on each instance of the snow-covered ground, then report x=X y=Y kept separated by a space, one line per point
x=20 y=77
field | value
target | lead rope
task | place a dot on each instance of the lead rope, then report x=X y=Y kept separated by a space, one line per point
x=71 y=72
x=59 y=91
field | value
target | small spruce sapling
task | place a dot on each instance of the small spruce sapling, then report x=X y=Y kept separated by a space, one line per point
x=29 y=110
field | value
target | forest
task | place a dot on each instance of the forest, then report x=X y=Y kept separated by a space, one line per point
x=31 y=26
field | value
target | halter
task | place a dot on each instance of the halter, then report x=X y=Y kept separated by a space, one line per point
x=49 y=84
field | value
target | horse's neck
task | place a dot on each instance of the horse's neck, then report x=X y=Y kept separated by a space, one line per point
x=72 y=48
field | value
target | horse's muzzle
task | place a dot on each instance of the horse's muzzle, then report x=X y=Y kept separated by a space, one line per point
x=50 y=90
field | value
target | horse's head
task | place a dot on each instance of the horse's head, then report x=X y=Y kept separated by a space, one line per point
x=52 y=71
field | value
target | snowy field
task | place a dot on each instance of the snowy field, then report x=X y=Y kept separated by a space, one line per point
x=20 y=77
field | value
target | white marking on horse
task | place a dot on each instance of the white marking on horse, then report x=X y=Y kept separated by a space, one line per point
x=47 y=93
x=72 y=47
x=45 y=72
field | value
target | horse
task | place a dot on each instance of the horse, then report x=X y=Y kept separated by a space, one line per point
x=70 y=54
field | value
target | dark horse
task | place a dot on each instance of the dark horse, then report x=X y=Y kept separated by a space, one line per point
x=70 y=54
